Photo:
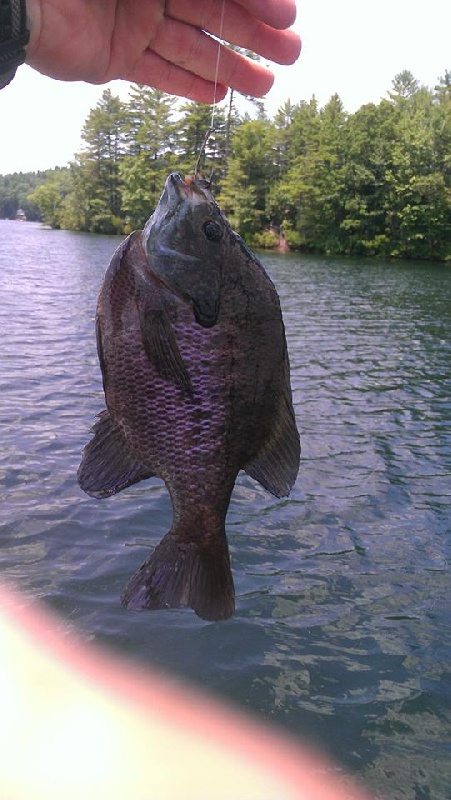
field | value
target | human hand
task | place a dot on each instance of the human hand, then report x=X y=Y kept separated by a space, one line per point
x=162 y=44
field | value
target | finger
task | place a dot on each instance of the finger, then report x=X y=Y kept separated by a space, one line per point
x=238 y=27
x=153 y=70
x=197 y=52
x=276 y=13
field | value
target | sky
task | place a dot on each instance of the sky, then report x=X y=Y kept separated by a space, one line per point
x=351 y=47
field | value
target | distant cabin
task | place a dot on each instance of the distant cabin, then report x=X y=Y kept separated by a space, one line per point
x=20 y=215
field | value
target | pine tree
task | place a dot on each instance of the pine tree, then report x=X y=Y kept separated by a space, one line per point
x=149 y=144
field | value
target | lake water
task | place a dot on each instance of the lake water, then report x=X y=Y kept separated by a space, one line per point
x=342 y=632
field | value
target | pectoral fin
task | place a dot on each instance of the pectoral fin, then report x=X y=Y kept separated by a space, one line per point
x=162 y=349
x=107 y=464
x=276 y=465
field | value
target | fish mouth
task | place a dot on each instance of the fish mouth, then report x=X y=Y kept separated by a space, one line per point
x=195 y=190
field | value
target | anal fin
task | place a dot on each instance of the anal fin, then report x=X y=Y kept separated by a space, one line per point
x=107 y=464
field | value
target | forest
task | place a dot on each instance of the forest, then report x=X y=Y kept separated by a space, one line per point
x=373 y=182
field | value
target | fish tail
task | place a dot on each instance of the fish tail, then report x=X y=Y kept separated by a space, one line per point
x=184 y=574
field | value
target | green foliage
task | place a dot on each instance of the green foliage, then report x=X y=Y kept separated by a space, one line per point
x=376 y=182
x=14 y=193
x=265 y=240
x=99 y=182
x=149 y=153
x=246 y=185
x=238 y=200
x=49 y=197
x=292 y=237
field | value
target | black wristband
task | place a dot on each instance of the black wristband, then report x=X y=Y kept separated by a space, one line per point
x=13 y=38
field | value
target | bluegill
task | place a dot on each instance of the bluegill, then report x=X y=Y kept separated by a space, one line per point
x=195 y=369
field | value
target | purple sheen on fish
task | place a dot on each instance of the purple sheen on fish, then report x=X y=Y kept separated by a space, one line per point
x=196 y=376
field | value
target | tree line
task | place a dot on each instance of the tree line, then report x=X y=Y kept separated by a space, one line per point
x=374 y=182
x=15 y=191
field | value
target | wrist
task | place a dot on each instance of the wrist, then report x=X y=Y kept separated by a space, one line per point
x=14 y=36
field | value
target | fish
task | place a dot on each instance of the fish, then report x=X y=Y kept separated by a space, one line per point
x=196 y=376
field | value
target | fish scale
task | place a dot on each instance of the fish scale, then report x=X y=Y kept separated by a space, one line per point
x=195 y=368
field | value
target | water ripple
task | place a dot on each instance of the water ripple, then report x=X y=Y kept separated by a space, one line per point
x=342 y=630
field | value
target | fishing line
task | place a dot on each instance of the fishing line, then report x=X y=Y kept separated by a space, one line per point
x=213 y=110
x=218 y=56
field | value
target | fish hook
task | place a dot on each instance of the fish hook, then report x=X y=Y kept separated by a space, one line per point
x=202 y=151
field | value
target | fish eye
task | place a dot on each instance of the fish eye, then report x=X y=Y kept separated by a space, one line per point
x=212 y=230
